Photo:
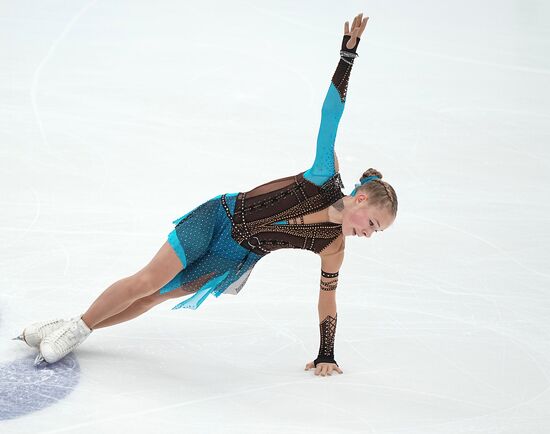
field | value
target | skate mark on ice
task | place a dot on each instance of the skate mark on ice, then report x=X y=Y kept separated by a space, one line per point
x=25 y=388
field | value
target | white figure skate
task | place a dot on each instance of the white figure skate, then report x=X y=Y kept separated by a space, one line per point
x=33 y=334
x=62 y=341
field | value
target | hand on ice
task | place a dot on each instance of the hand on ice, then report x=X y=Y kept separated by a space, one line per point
x=323 y=368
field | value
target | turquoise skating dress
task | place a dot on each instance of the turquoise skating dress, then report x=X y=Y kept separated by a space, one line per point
x=209 y=239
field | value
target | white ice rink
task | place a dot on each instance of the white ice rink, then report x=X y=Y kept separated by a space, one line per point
x=117 y=117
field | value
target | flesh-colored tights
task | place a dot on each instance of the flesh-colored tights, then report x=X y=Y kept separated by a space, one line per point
x=135 y=309
x=131 y=296
x=117 y=295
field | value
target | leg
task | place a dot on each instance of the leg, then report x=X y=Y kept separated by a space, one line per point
x=145 y=303
x=140 y=306
x=121 y=294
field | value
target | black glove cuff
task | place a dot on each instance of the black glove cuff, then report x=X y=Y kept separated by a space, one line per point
x=345 y=41
x=324 y=359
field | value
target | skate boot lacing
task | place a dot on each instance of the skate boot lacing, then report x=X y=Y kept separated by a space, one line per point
x=71 y=337
x=48 y=323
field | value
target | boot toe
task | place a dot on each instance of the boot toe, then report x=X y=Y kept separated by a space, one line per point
x=32 y=339
x=48 y=352
x=35 y=333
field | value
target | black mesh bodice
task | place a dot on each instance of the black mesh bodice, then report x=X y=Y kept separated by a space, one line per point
x=286 y=200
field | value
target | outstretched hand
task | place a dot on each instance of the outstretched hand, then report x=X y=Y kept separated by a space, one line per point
x=323 y=368
x=357 y=28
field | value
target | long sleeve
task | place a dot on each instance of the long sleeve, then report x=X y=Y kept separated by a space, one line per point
x=331 y=112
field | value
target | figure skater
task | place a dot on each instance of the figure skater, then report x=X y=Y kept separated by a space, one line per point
x=214 y=247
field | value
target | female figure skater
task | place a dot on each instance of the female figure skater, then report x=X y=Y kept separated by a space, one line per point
x=214 y=247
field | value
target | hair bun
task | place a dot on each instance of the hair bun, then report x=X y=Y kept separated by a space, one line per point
x=371 y=172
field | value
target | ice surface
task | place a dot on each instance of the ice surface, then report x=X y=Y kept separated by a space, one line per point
x=118 y=117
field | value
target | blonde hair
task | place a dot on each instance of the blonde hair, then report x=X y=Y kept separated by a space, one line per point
x=380 y=192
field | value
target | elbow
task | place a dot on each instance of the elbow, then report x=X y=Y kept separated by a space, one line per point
x=326 y=302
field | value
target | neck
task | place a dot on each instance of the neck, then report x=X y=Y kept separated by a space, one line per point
x=335 y=211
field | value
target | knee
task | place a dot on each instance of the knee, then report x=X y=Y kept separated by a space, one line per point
x=141 y=285
x=146 y=303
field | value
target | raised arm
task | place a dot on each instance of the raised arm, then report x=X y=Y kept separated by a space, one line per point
x=333 y=106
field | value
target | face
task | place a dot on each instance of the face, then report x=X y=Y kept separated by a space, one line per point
x=362 y=220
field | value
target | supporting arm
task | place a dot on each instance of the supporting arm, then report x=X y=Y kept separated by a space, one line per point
x=330 y=264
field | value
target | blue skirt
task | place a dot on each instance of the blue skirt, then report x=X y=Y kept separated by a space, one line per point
x=203 y=242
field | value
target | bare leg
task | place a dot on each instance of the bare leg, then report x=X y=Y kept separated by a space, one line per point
x=138 y=307
x=123 y=293
x=142 y=305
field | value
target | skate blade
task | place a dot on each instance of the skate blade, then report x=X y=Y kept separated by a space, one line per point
x=39 y=359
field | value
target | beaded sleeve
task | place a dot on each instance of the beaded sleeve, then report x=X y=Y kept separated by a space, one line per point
x=331 y=112
x=327 y=328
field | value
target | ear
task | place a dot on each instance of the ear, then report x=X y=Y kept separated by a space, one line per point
x=360 y=197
